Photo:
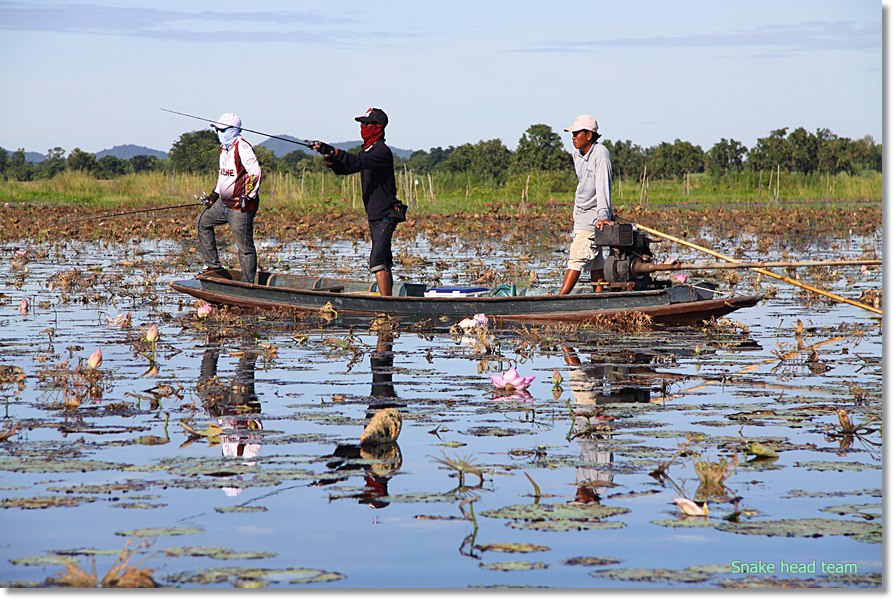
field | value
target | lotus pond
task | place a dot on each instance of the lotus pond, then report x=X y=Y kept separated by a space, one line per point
x=226 y=452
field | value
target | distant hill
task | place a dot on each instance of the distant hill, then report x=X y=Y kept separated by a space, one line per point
x=34 y=157
x=281 y=147
x=128 y=151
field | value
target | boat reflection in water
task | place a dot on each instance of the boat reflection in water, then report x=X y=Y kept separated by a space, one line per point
x=235 y=405
x=378 y=461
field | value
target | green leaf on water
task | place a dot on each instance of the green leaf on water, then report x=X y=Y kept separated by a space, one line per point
x=215 y=552
x=512 y=547
x=160 y=531
x=513 y=566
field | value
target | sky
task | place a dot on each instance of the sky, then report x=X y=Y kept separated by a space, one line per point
x=97 y=74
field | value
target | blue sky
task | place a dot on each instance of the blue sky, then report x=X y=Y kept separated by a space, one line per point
x=95 y=74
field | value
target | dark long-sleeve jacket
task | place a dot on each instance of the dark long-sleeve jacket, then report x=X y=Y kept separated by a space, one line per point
x=376 y=167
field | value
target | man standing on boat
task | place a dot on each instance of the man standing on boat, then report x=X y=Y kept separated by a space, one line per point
x=234 y=199
x=592 y=200
x=383 y=210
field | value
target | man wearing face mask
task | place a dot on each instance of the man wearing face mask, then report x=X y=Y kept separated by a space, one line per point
x=383 y=210
x=234 y=199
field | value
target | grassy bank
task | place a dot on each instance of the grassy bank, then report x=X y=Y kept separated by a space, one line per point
x=447 y=193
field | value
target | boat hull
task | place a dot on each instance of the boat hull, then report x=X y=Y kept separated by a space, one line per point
x=676 y=304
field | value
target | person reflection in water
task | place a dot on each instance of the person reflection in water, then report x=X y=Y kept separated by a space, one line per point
x=591 y=431
x=235 y=405
x=378 y=452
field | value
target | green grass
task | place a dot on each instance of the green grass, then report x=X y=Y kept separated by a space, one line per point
x=447 y=193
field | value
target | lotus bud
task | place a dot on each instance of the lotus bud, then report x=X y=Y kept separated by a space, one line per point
x=95 y=359
x=152 y=334
x=557 y=378
x=23 y=306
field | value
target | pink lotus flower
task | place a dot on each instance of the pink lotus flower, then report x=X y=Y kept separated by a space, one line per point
x=511 y=380
x=152 y=334
x=204 y=311
x=23 y=306
x=95 y=359
x=479 y=320
x=681 y=278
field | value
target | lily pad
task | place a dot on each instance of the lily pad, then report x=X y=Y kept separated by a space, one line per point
x=565 y=525
x=808 y=528
x=160 y=531
x=215 y=552
x=868 y=511
x=694 y=574
x=555 y=512
x=45 y=501
x=241 y=577
x=834 y=466
x=240 y=509
x=496 y=431
x=512 y=548
x=514 y=566
x=590 y=561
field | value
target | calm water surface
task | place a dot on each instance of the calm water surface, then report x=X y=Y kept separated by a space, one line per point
x=287 y=481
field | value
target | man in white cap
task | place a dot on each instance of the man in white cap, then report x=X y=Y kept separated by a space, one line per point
x=592 y=200
x=234 y=199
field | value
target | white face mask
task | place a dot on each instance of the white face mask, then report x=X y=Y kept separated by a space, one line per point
x=228 y=136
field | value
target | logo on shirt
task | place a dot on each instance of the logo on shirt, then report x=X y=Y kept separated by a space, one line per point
x=228 y=172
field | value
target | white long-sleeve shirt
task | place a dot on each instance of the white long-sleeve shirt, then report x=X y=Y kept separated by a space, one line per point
x=240 y=174
x=593 y=197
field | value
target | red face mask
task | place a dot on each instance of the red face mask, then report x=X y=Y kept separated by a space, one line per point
x=371 y=133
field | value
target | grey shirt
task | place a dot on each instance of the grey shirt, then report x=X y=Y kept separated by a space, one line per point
x=593 y=197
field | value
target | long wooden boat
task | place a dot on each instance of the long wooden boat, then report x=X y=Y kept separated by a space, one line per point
x=680 y=303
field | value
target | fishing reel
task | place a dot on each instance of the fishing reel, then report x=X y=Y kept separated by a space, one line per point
x=626 y=265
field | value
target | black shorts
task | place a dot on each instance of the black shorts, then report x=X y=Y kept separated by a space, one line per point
x=381 y=231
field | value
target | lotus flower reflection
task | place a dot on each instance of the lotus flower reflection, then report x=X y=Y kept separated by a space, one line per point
x=511 y=381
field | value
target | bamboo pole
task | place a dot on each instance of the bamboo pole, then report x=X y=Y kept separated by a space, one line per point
x=762 y=271
x=652 y=267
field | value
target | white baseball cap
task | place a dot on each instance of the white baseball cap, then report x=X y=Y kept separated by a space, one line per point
x=227 y=120
x=583 y=123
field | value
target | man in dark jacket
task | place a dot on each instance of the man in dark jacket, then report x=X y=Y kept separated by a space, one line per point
x=383 y=210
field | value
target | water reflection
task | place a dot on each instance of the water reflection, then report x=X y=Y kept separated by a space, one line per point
x=381 y=458
x=235 y=405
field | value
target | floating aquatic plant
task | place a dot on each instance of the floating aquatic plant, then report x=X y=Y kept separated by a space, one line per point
x=462 y=465
x=121 y=574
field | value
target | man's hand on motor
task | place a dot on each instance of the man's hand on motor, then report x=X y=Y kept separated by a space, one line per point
x=600 y=223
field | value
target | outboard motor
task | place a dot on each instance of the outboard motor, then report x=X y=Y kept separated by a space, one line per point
x=627 y=264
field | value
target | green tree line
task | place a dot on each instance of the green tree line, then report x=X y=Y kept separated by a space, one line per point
x=538 y=149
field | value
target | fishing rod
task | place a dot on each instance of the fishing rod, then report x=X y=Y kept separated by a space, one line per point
x=133 y=212
x=305 y=143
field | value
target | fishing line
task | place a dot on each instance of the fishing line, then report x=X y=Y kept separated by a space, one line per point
x=305 y=143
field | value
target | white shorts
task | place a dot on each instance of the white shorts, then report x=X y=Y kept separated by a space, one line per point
x=582 y=257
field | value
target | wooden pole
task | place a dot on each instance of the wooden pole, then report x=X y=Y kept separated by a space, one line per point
x=652 y=267
x=762 y=271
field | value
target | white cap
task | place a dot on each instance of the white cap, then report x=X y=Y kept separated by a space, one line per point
x=583 y=123
x=227 y=120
